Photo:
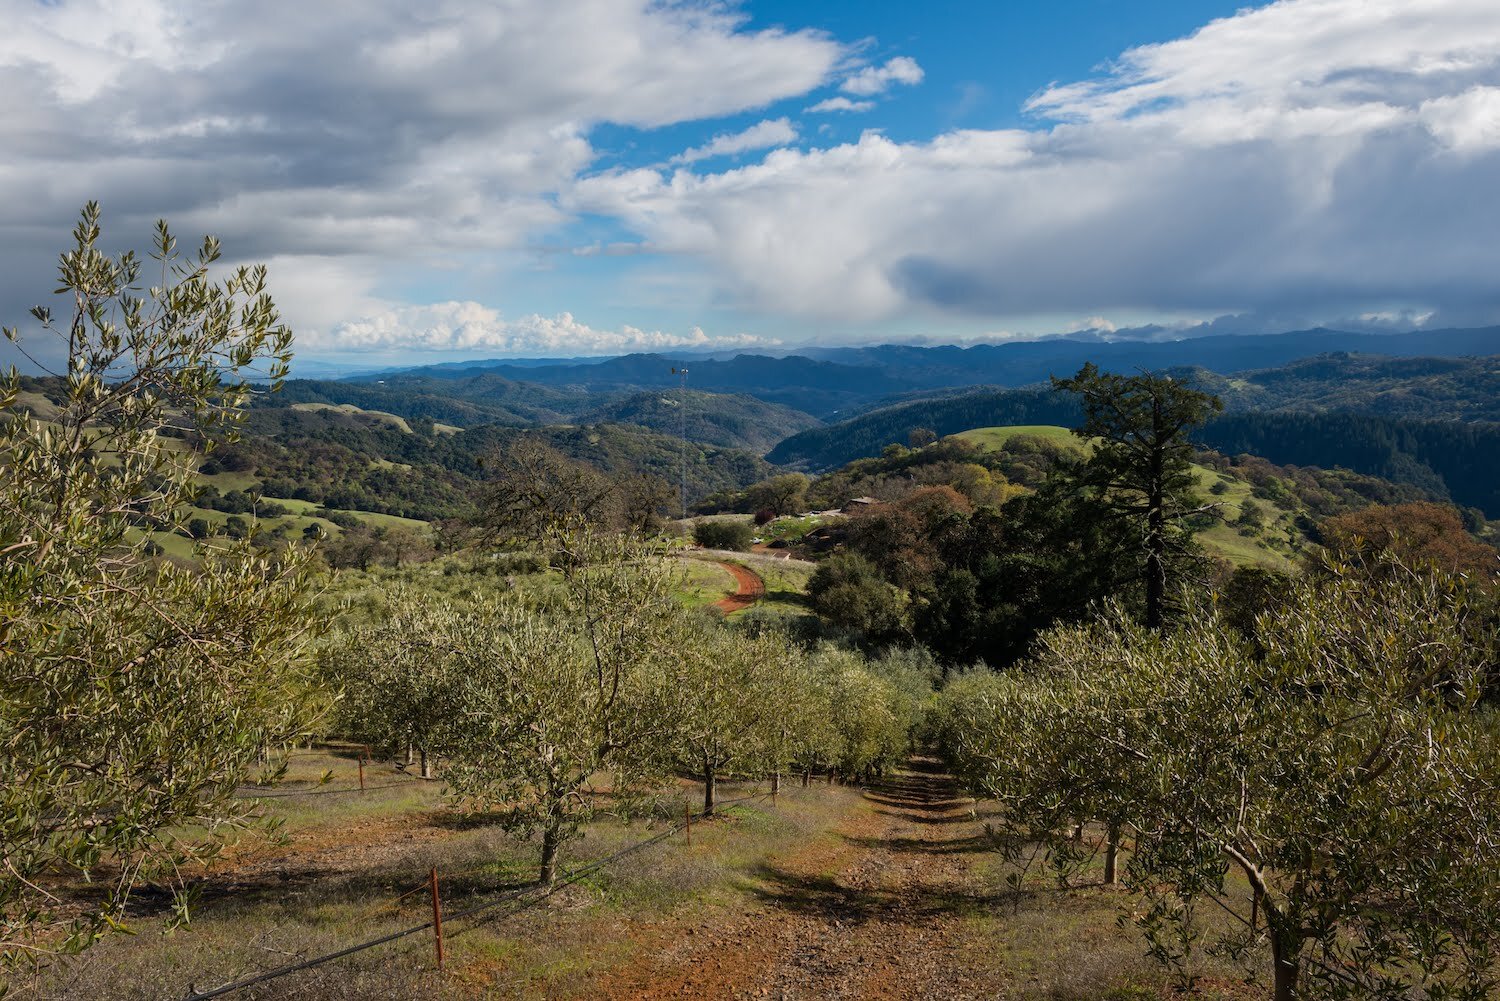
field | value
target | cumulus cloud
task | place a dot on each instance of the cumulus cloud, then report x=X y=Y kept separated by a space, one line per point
x=1308 y=158
x=762 y=135
x=471 y=327
x=874 y=80
x=839 y=104
x=394 y=133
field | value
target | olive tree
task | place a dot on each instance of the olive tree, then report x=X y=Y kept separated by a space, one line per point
x=136 y=694
x=737 y=703
x=392 y=678
x=1334 y=781
x=544 y=697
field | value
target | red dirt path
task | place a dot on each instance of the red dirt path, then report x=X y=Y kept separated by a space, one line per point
x=751 y=589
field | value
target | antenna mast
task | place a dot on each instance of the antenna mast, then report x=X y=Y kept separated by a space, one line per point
x=682 y=419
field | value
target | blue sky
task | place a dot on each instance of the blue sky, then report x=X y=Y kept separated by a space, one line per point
x=567 y=177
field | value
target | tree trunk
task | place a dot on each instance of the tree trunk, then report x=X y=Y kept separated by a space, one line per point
x=806 y=778
x=1112 y=856
x=775 y=783
x=551 y=841
x=426 y=764
x=710 y=789
x=1286 y=955
x=409 y=754
x=1288 y=967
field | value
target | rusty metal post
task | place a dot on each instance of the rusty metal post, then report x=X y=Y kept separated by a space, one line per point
x=437 y=918
x=361 y=774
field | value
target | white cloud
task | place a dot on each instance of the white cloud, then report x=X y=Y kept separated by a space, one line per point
x=1296 y=159
x=874 y=80
x=1467 y=122
x=472 y=327
x=386 y=137
x=839 y=104
x=762 y=135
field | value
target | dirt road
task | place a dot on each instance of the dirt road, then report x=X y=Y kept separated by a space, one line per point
x=750 y=588
x=871 y=911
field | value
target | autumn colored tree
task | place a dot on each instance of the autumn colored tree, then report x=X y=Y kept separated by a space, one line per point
x=1421 y=534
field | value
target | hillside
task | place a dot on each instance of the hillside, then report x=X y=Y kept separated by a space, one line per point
x=1443 y=459
x=836 y=444
x=728 y=421
x=1461 y=389
x=828 y=382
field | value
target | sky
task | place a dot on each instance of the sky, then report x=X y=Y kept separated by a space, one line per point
x=575 y=177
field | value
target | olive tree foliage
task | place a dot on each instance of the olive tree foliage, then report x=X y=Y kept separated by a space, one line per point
x=391 y=679
x=873 y=718
x=741 y=703
x=1334 y=782
x=135 y=694
x=526 y=700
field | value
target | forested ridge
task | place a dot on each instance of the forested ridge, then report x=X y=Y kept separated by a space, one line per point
x=1446 y=459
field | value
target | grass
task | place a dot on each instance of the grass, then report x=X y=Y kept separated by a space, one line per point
x=1053 y=943
x=269 y=912
x=992 y=439
x=701 y=583
x=349 y=408
x=790 y=528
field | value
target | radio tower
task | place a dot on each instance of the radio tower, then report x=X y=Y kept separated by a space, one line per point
x=682 y=417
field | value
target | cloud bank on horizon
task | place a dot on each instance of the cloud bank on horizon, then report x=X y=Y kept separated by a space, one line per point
x=1310 y=160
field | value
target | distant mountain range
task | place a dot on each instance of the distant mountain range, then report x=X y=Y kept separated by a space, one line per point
x=828 y=383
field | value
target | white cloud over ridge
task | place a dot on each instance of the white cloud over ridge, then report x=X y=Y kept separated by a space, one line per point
x=762 y=135
x=469 y=327
x=1309 y=158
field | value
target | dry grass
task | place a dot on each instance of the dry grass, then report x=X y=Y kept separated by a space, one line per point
x=350 y=859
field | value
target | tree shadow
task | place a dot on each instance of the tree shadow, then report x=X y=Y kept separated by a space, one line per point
x=972 y=845
x=824 y=898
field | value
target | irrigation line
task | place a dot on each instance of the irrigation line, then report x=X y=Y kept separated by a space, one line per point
x=569 y=878
x=322 y=792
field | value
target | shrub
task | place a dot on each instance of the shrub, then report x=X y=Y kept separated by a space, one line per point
x=734 y=535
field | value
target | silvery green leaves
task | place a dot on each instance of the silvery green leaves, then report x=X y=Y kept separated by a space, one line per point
x=136 y=693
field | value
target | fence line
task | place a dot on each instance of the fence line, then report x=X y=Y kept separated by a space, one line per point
x=567 y=879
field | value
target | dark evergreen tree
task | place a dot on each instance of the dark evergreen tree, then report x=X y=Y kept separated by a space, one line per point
x=1140 y=470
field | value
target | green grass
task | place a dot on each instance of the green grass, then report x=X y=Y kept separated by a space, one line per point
x=701 y=583
x=349 y=408
x=790 y=528
x=992 y=439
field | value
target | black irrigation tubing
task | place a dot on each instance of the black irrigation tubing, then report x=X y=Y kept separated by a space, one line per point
x=321 y=792
x=568 y=879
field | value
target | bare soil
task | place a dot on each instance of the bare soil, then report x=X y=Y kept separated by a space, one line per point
x=874 y=911
x=750 y=589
